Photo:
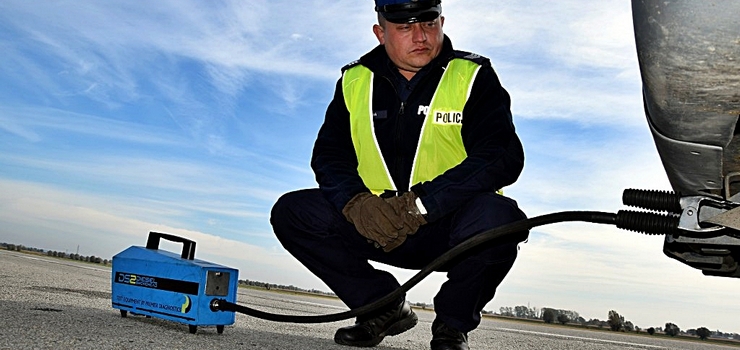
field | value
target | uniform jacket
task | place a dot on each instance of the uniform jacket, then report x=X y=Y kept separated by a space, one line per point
x=494 y=153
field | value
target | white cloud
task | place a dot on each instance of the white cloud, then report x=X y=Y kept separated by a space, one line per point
x=36 y=123
x=570 y=60
x=625 y=271
x=15 y=128
x=62 y=219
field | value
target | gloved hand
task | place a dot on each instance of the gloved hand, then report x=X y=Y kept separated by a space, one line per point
x=405 y=207
x=376 y=220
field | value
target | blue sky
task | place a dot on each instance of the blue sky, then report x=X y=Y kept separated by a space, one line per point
x=118 y=118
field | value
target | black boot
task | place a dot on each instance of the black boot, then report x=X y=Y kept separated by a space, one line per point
x=445 y=337
x=370 y=330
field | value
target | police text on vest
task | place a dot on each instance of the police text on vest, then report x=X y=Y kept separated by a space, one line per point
x=448 y=118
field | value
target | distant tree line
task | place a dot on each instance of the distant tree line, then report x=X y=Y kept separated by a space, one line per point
x=549 y=315
x=18 y=248
x=293 y=288
x=614 y=322
x=91 y=259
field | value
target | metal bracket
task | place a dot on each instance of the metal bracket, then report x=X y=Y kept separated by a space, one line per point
x=697 y=213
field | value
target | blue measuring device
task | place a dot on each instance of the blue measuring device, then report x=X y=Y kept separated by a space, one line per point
x=157 y=283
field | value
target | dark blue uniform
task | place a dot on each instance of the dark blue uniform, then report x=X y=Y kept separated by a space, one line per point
x=461 y=202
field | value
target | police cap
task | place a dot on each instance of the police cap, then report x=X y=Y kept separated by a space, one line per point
x=408 y=11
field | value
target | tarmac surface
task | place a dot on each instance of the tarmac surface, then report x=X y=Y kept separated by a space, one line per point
x=50 y=303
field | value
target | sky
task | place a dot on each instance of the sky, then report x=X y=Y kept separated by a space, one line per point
x=119 y=118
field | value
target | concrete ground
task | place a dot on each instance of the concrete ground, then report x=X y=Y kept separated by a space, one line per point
x=48 y=303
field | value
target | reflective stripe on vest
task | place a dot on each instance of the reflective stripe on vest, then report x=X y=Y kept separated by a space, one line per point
x=440 y=144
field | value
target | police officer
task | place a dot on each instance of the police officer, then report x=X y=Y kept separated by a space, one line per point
x=414 y=146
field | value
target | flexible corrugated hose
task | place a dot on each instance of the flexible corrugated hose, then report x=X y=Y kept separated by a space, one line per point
x=649 y=223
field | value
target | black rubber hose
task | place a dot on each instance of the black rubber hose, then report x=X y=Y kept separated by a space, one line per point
x=515 y=227
x=648 y=223
x=652 y=200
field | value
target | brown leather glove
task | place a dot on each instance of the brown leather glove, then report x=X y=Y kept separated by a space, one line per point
x=405 y=206
x=406 y=209
x=375 y=219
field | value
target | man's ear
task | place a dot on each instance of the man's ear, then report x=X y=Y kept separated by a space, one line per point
x=379 y=33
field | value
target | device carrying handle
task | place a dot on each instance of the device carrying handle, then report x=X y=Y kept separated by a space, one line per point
x=188 y=246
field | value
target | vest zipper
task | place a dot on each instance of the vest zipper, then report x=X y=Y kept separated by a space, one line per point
x=397 y=158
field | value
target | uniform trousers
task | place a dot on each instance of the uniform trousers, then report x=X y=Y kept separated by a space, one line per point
x=322 y=239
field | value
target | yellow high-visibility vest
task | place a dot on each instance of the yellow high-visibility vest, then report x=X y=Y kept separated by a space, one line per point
x=440 y=143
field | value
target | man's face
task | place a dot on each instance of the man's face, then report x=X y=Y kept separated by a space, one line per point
x=411 y=46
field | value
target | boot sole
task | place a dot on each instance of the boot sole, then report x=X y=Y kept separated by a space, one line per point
x=395 y=329
x=402 y=325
